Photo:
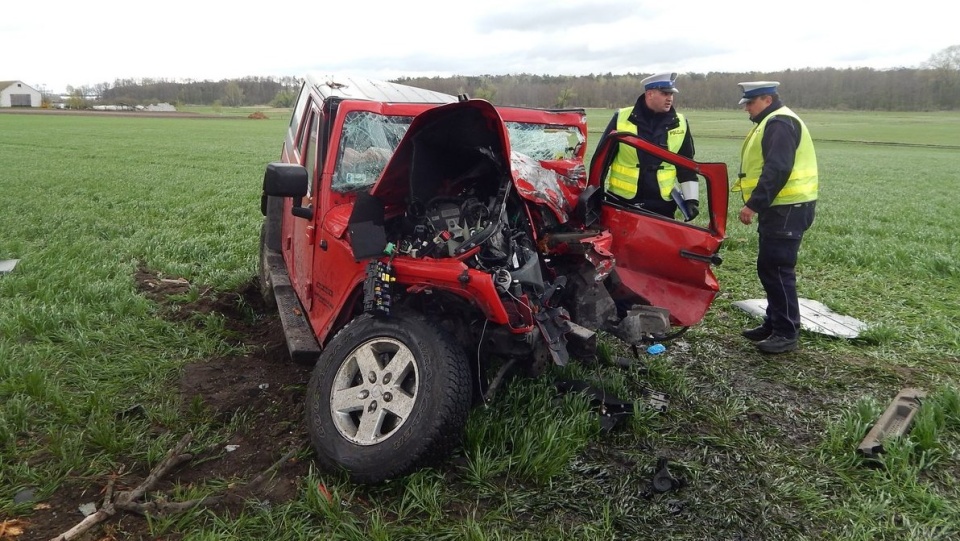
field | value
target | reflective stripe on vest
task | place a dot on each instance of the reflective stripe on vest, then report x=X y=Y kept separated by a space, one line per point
x=802 y=184
x=625 y=169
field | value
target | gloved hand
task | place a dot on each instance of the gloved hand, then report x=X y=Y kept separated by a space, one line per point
x=693 y=207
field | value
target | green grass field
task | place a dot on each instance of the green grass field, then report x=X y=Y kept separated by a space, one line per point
x=765 y=446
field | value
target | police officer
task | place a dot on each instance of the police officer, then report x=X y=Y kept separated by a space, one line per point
x=643 y=180
x=778 y=180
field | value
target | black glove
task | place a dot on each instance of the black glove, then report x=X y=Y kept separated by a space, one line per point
x=693 y=208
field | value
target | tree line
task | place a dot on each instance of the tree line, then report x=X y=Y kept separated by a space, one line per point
x=935 y=86
x=854 y=89
x=276 y=91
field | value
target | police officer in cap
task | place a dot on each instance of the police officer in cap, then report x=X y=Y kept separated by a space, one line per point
x=778 y=180
x=643 y=180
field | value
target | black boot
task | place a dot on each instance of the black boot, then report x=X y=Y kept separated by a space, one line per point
x=777 y=344
x=757 y=334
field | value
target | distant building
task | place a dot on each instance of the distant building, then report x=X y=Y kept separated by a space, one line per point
x=18 y=94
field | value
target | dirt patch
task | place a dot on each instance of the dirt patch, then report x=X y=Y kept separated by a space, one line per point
x=263 y=386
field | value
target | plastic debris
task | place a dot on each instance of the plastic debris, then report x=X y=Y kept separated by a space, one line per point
x=326 y=493
x=626 y=362
x=656 y=349
x=674 y=507
x=7 y=265
x=662 y=480
x=231 y=448
x=24 y=496
x=893 y=423
x=88 y=509
x=136 y=410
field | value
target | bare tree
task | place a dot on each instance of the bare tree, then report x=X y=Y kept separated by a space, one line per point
x=944 y=77
x=947 y=59
x=100 y=90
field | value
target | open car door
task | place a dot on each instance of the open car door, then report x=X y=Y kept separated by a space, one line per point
x=667 y=262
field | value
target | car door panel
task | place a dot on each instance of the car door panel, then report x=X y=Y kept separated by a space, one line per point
x=668 y=262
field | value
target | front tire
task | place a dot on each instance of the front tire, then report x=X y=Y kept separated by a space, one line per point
x=388 y=396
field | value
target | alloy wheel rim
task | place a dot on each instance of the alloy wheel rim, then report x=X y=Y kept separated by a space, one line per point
x=374 y=391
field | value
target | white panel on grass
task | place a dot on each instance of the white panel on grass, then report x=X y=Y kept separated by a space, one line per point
x=7 y=265
x=814 y=316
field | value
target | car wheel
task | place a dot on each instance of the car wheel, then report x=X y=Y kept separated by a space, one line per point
x=263 y=272
x=388 y=396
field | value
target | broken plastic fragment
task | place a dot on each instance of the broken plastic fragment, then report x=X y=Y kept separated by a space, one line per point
x=662 y=480
x=895 y=421
x=656 y=349
x=7 y=265
x=24 y=496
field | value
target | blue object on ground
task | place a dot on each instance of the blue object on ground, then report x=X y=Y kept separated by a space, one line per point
x=656 y=349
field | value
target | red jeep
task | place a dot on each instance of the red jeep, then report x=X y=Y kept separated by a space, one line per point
x=419 y=245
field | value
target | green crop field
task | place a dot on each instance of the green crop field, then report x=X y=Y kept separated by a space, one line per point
x=92 y=362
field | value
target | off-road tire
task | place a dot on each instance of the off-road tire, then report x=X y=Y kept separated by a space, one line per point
x=263 y=272
x=423 y=418
x=269 y=244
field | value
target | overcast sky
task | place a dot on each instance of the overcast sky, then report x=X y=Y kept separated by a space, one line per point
x=54 y=43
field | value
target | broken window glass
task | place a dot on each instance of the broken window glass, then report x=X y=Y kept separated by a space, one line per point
x=367 y=142
x=545 y=142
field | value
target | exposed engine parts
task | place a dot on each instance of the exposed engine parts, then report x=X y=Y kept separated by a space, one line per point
x=550 y=268
x=451 y=226
x=489 y=226
x=439 y=227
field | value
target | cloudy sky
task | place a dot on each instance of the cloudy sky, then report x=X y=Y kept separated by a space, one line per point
x=54 y=43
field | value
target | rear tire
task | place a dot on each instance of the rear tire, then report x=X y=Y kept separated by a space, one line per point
x=387 y=397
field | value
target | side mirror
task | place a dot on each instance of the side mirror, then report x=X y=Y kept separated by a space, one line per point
x=589 y=204
x=286 y=180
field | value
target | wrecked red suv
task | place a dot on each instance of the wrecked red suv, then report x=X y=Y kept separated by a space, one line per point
x=419 y=246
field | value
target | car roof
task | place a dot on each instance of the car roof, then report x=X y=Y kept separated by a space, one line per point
x=363 y=88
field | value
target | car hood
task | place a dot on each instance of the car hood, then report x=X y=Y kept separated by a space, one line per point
x=468 y=138
x=443 y=142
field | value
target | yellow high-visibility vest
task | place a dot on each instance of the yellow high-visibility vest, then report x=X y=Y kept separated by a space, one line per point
x=625 y=169
x=803 y=182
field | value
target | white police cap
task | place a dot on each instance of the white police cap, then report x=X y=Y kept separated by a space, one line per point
x=757 y=88
x=661 y=81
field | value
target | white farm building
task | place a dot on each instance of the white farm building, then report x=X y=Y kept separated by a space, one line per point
x=18 y=94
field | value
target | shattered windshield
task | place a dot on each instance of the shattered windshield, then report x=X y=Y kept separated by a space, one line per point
x=369 y=139
x=545 y=142
x=367 y=142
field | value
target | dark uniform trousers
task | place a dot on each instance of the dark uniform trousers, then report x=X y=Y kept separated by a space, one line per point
x=780 y=231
